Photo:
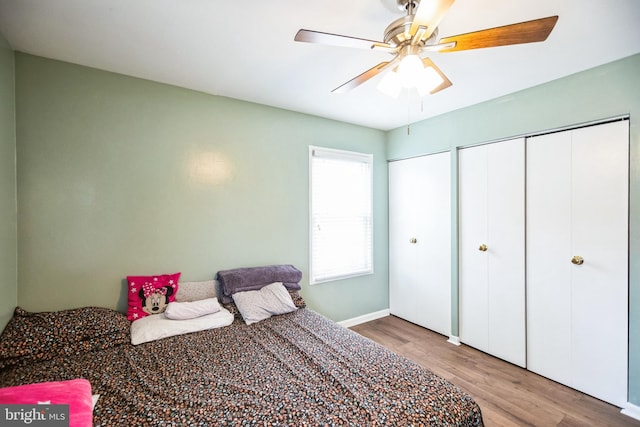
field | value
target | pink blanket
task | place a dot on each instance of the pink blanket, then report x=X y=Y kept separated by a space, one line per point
x=75 y=393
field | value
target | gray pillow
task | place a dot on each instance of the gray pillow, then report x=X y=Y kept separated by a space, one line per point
x=269 y=301
x=196 y=291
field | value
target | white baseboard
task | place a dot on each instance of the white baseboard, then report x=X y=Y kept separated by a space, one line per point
x=364 y=318
x=454 y=340
x=631 y=410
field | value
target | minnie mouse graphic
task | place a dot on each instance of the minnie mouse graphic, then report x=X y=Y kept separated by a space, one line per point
x=154 y=300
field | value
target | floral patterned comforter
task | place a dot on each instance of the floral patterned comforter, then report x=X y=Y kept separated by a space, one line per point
x=295 y=369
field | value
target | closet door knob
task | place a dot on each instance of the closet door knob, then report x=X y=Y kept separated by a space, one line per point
x=577 y=260
x=483 y=248
x=413 y=240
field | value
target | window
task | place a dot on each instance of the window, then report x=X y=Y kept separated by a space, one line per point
x=341 y=223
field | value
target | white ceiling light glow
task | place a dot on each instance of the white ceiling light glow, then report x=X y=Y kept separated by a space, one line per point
x=410 y=70
x=411 y=73
x=390 y=84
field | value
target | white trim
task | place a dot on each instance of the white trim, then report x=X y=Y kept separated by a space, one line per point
x=333 y=153
x=631 y=410
x=526 y=135
x=340 y=277
x=454 y=340
x=364 y=318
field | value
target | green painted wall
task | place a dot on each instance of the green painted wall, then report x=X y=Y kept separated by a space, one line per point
x=606 y=91
x=8 y=218
x=120 y=176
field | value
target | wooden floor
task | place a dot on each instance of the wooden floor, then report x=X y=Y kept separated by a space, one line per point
x=507 y=394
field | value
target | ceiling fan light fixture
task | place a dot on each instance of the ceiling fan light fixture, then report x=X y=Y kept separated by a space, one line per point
x=428 y=81
x=390 y=84
x=410 y=70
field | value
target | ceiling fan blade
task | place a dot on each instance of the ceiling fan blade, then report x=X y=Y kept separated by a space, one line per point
x=445 y=81
x=370 y=73
x=524 y=32
x=428 y=15
x=319 y=37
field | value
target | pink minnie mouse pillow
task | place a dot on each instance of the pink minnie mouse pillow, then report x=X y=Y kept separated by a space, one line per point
x=150 y=294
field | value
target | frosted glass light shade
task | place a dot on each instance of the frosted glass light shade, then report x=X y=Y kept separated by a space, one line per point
x=411 y=73
x=409 y=70
x=428 y=80
x=390 y=84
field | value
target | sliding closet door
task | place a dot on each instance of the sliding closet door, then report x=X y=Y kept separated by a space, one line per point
x=420 y=241
x=600 y=235
x=492 y=287
x=577 y=258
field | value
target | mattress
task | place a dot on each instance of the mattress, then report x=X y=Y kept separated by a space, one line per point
x=294 y=369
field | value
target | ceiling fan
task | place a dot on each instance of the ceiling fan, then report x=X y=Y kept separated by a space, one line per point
x=411 y=36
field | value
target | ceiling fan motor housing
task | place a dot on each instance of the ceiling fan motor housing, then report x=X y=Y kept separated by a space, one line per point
x=397 y=33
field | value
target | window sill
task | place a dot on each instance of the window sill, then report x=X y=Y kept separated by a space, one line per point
x=341 y=277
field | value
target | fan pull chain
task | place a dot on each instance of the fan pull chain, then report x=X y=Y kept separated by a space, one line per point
x=408 y=113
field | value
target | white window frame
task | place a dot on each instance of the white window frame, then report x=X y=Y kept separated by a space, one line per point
x=340 y=155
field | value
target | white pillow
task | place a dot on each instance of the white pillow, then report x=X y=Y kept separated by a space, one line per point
x=150 y=328
x=258 y=305
x=191 y=310
x=195 y=291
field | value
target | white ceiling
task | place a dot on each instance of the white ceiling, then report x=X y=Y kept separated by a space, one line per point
x=245 y=49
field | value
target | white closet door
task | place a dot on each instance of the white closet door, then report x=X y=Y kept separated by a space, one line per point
x=577 y=205
x=548 y=248
x=420 y=241
x=473 y=275
x=600 y=285
x=492 y=290
x=505 y=231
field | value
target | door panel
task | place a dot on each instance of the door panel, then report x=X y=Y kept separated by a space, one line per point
x=420 y=272
x=505 y=225
x=577 y=205
x=548 y=243
x=405 y=204
x=492 y=299
x=473 y=274
x=600 y=285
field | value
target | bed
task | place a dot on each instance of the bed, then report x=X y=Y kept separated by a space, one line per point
x=298 y=368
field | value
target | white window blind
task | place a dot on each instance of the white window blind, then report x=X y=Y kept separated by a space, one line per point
x=341 y=223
